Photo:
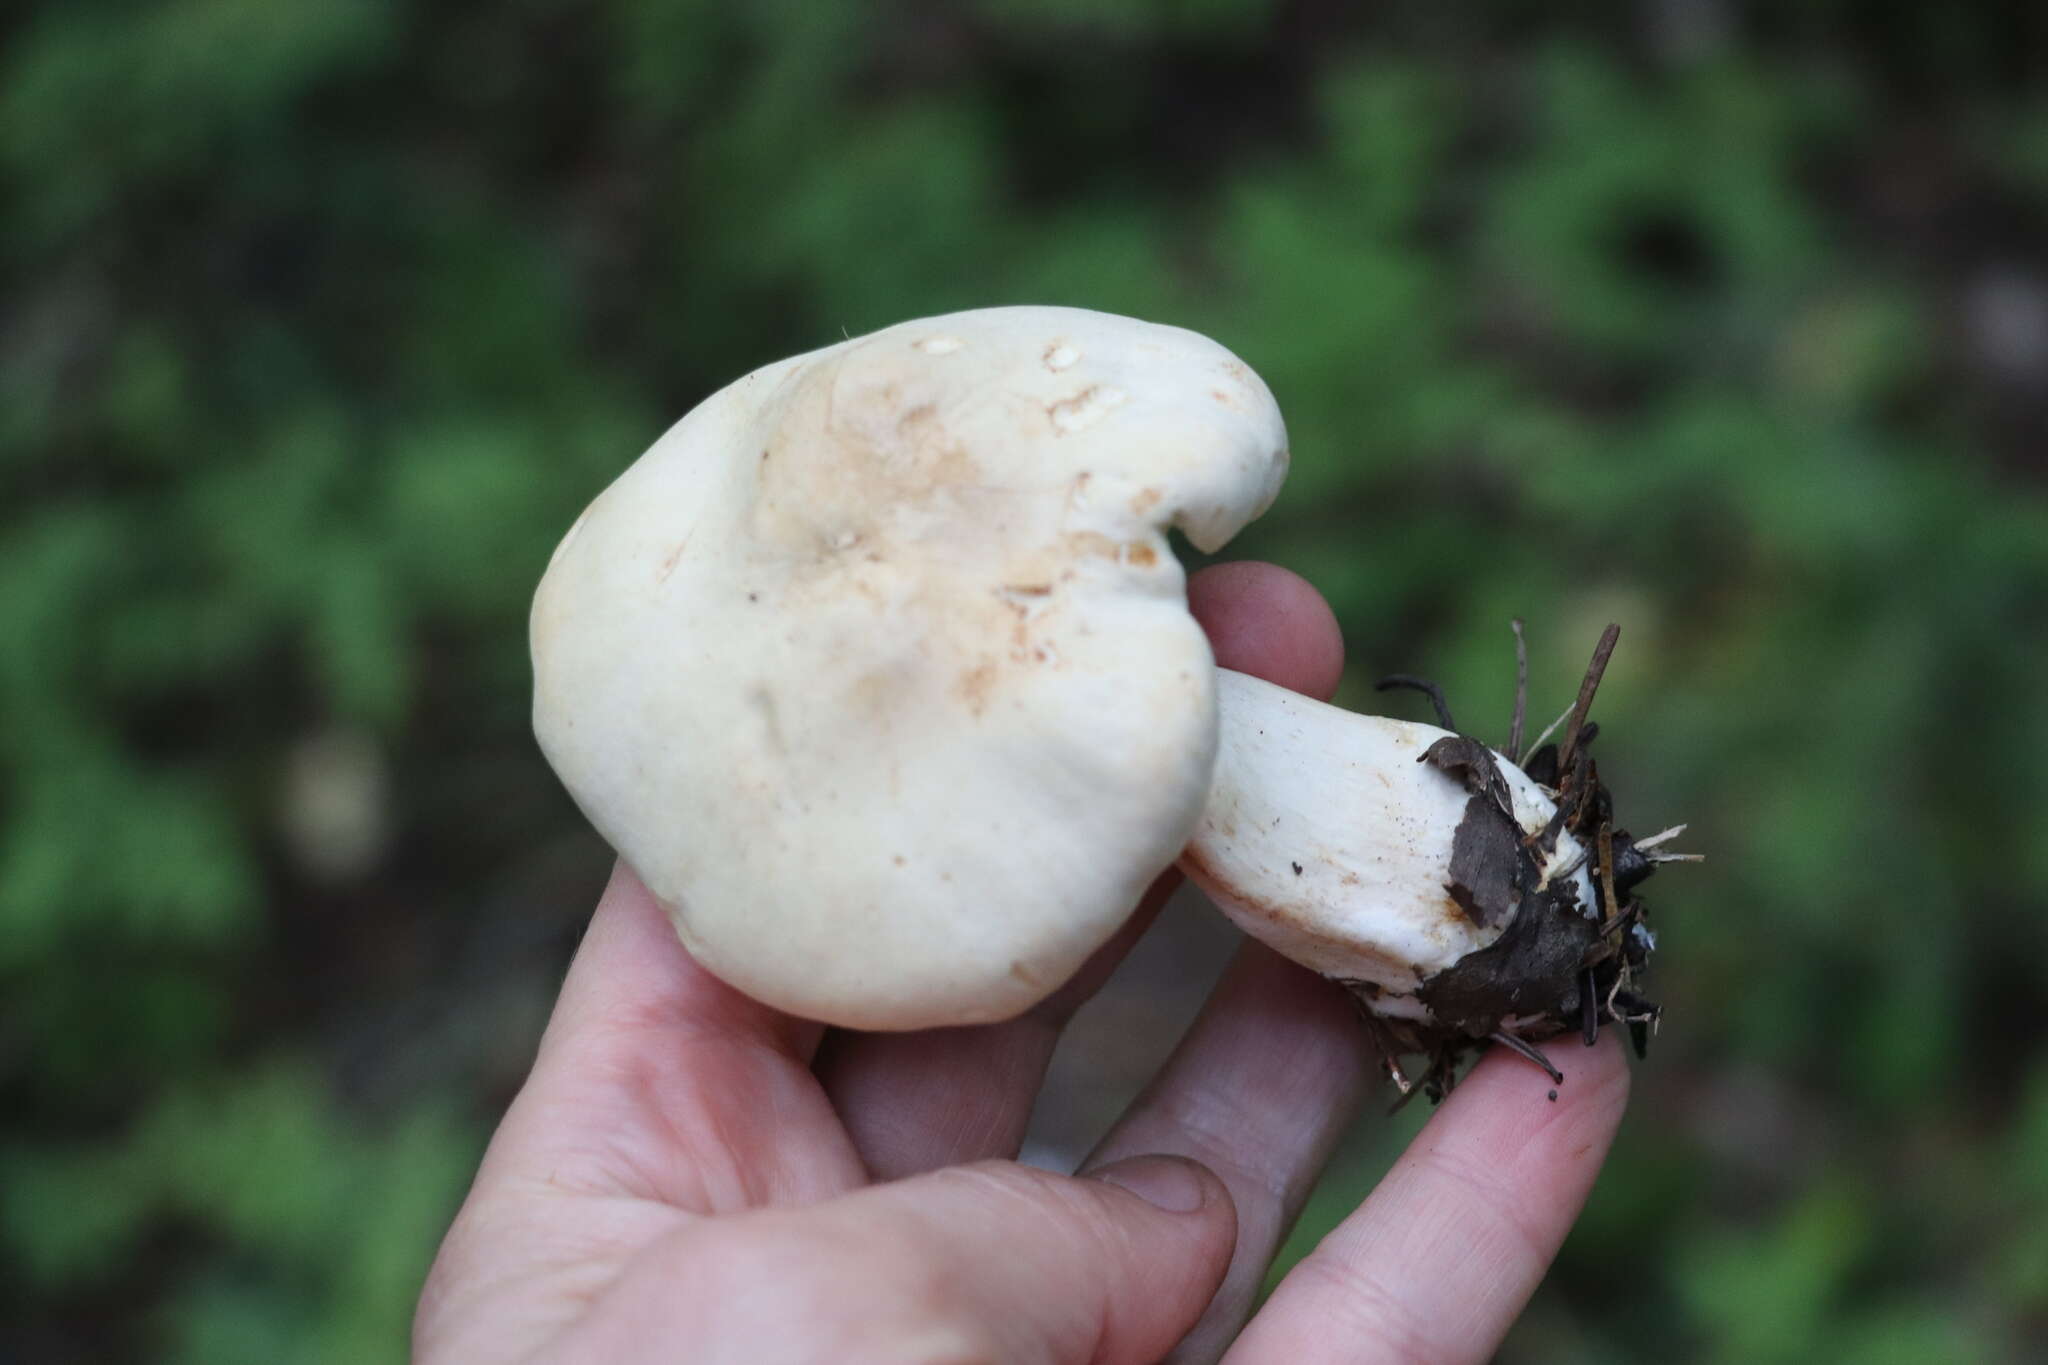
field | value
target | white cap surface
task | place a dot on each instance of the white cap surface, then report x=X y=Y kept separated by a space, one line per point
x=877 y=666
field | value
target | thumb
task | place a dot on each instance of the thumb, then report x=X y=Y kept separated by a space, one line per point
x=993 y=1261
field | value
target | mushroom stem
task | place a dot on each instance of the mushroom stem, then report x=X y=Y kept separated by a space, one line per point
x=1460 y=899
x=1327 y=836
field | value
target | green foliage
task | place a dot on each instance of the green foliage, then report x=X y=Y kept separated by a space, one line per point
x=321 y=323
x=331 y=1229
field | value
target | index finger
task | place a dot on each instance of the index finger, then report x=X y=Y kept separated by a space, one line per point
x=1439 y=1260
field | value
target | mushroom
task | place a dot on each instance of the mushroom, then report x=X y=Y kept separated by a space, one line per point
x=878 y=669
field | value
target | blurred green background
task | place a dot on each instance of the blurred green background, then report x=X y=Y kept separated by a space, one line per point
x=319 y=323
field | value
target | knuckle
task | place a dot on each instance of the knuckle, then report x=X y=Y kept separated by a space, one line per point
x=1053 y=1211
x=1487 y=1202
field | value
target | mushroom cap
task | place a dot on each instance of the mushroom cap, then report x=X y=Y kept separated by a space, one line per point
x=878 y=668
x=1327 y=839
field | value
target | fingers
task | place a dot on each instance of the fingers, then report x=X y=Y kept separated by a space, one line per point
x=1259 y=1090
x=986 y=1262
x=658 y=1081
x=1440 y=1259
x=1265 y=620
x=915 y=1102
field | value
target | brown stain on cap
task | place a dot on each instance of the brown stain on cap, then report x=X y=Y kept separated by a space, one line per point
x=978 y=684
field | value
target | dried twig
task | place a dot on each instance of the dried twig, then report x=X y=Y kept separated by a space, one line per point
x=1521 y=693
x=1587 y=687
x=1529 y=1050
x=1427 y=688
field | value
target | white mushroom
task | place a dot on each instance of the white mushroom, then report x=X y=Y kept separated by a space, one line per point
x=879 y=670
x=878 y=667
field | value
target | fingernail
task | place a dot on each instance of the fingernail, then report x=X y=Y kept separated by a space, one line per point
x=1169 y=1182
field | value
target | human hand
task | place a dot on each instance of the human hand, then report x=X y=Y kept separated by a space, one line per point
x=690 y=1175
